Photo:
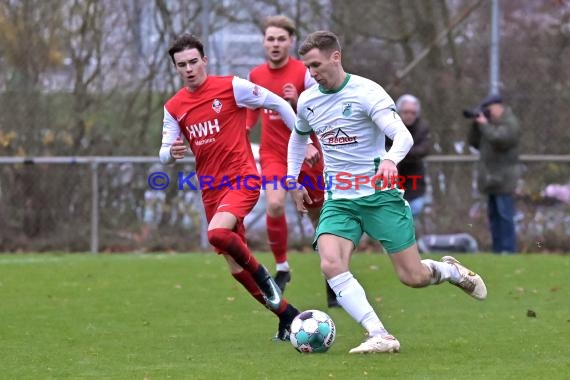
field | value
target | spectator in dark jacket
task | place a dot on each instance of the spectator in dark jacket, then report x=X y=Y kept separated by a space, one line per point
x=495 y=133
x=412 y=166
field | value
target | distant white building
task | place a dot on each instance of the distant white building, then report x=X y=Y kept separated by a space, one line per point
x=235 y=50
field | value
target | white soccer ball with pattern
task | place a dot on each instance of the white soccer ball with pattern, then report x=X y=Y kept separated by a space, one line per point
x=312 y=331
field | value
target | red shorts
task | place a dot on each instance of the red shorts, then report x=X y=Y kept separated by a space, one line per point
x=272 y=167
x=237 y=202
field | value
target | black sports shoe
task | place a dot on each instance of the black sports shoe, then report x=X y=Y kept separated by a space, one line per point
x=331 y=297
x=283 y=332
x=285 y=320
x=269 y=289
x=282 y=278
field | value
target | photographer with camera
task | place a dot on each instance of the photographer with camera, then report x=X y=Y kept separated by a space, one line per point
x=495 y=133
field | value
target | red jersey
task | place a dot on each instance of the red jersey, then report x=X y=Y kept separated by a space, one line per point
x=212 y=119
x=274 y=133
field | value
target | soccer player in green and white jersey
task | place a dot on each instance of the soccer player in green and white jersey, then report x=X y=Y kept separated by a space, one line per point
x=351 y=115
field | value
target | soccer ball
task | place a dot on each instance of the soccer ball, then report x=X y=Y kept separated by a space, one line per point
x=312 y=331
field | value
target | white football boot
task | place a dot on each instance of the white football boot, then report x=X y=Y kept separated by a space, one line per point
x=471 y=283
x=377 y=344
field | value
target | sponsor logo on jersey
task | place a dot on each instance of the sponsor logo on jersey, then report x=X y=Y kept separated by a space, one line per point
x=205 y=141
x=256 y=90
x=394 y=113
x=338 y=137
x=217 y=105
x=203 y=129
x=347 y=109
x=324 y=129
x=179 y=119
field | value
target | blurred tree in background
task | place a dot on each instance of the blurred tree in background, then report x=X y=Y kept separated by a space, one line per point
x=90 y=77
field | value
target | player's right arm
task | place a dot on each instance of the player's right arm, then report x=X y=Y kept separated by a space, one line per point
x=172 y=147
x=298 y=142
x=312 y=155
x=295 y=156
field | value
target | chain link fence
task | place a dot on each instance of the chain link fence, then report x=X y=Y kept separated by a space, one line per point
x=542 y=200
x=81 y=94
x=105 y=204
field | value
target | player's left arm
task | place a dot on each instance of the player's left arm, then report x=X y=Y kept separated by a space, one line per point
x=391 y=125
x=252 y=114
x=253 y=96
x=383 y=114
x=291 y=93
x=251 y=119
x=250 y=95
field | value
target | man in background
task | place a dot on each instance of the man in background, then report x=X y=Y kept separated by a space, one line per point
x=495 y=133
x=412 y=166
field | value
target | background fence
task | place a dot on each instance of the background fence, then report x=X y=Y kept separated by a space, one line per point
x=99 y=75
x=105 y=204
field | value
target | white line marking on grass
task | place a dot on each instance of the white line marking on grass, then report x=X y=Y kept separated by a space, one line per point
x=52 y=259
x=29 y=260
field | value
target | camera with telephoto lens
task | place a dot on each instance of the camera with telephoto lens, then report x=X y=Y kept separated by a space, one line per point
x=474 y=113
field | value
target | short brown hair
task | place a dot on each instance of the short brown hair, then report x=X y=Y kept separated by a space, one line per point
x=282 y=22
x=183 y=42
x=323 y=40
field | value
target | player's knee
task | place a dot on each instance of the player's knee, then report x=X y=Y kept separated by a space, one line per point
x=331 y=268
x=218 y=236
x=275 y=208
x=411 y=279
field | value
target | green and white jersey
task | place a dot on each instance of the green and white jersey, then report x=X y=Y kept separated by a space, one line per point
x=351 y=123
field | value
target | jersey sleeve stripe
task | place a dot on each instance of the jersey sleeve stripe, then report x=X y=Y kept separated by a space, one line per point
x=301 y=132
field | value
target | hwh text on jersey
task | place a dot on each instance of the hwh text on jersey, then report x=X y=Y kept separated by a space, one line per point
x=206 y=128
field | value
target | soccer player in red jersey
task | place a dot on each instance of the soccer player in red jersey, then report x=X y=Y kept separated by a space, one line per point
x=287 y=76
x=210 y=112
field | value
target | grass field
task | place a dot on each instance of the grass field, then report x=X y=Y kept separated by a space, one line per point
x=183 y=317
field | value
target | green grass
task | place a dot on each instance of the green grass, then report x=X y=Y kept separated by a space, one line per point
x=183 y=317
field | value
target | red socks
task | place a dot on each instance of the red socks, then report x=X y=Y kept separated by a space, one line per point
x=229 y=242
x=246 y=279
x=277 y=236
